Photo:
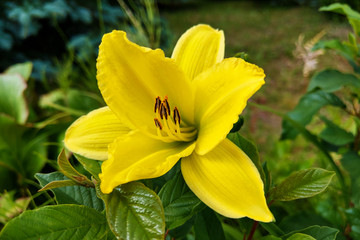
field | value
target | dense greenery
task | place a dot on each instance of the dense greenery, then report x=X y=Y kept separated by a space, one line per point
x=40 y=98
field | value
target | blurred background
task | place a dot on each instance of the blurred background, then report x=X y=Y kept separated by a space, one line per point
x=50 y=49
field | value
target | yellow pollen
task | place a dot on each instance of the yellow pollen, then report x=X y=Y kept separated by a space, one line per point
x=158 y=123
x=163 y=111
x=157 y=104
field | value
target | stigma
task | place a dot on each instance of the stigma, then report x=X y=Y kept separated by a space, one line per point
x=168 y=123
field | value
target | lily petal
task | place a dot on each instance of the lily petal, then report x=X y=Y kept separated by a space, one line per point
x=227 y=181
x=199 y=48
x=130 y=77
x=140 y=157
x=91 y=134
x=221 y=95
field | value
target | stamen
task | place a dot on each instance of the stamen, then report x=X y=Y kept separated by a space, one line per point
x=157 y=104
x=168 y=123
x=157 y=123
x=167 y=105
x=176 y=116
x=163 y=111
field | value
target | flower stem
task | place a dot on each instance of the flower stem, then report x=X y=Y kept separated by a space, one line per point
x=253 y=229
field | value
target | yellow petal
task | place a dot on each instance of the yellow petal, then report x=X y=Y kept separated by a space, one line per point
x=139 y=157
x=199 y=48
x=227 y=181
x=91 y=134
x=130 y=78
x=221 y=95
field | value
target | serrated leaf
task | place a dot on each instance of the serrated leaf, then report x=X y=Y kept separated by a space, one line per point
x=134 y=211
x=207 y=226
x=71 y=222
x=332 y=80
x=334 y=134
x=307 y=107
x=249 y=148
x=24 y=69
x=92 y=166
x=12 y=101
x=71 y=194
x=57 y=184
x=302 y=184
x=317 y=232
x=69 y=171
x=300 y=236
x=179 y=202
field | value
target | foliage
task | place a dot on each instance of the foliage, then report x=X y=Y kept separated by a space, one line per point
x=339 y=90
x=30 y=29
x=162 y=208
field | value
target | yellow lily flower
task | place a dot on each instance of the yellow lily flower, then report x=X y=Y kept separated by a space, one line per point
x=163 y=109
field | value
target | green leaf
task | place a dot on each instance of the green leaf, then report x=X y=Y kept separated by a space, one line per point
x=92 y=166
x=302 y=184
x=57 y=222
x=57 y=184
x=351 y=163
x=303 y=219
x=135 y=212
x=270 y=237
x=179 y=202
x=24 y=69
x=12 y=100
x=307 y=107
x=317 y=232
x=207 y=226
x=332 y=80
x=181 y=231
x=22 y=150
x=334 y=134
x=237 y=126
x=11 y=207
x=234 y=233
x=344 y=9
x=272 y=228
x=336 y=45
x=300 y=236
x=71 y=194
x=69 y=171
x=249 y=148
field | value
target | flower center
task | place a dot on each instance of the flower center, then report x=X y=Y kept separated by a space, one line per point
x=168 y=123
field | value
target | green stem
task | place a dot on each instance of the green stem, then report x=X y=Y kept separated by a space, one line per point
x=312 y=138
x=101 y=19
x=65 y=109
x=134 y=21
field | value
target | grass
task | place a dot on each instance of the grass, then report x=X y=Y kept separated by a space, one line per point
x=268 y=35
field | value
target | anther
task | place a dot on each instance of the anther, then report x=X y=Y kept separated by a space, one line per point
x=176 y=116
x=167 y=105
x=157 y=123
x=163 y=111
x=157 y=104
